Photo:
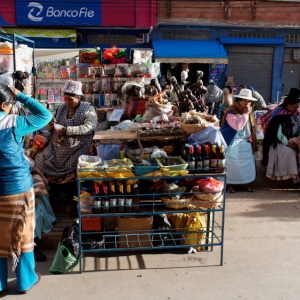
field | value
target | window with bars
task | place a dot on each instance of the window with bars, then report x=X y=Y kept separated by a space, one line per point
x=292 y=38
x=252 y=35
x=111 y=39
x=185 y=35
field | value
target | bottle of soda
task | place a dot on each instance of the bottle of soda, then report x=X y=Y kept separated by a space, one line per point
x=198 y=159
x=121 y=198
x=185 y=151
x=191 y=160
x=206 y=159
x=128 y=199
x=135 y=198
x=105 y=201
x=112 y=198
x=97 y=197
x=221 y=160
x=213 y=158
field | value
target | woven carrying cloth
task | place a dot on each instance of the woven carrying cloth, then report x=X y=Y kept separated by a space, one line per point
x=17 y=222
x=60 y=157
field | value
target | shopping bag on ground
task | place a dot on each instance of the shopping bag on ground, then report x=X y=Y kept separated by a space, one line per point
x=63 y=261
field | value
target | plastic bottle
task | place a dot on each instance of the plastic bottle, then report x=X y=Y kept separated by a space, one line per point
x=221 y=160
x=213 y=158
x=112 y=198
x=128 y=199
x=121 y=198
x=135 y=198
x=206 y=159
x=198 y=158
x=191 y=160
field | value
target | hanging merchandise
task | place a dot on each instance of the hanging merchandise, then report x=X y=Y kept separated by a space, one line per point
x=90 y=56
x=115 y=55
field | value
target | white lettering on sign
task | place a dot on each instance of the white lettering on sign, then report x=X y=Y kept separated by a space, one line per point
x=33 y=14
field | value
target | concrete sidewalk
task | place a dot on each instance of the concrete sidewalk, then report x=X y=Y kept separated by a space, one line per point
x=261 y=260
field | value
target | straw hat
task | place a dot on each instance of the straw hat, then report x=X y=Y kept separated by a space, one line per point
x=245 y=94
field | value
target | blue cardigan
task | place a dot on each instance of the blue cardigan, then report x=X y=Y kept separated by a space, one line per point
x=15 y=171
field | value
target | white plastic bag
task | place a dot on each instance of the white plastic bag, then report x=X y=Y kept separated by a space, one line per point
x=89 y=161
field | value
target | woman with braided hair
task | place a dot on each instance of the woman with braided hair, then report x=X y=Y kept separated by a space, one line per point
x=238 y=130
x=281 y=139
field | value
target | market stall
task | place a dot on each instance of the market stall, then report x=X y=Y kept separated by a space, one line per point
x=159 y=155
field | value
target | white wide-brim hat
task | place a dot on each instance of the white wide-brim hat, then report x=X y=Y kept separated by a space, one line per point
x=73 y=87
x=245 y=94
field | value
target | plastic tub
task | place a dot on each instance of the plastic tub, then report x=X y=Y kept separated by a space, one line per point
x=182 y=166
x=113 y=165
x=142 y=170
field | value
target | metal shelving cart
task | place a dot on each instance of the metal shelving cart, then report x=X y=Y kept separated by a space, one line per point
x=16 y=39
x=212 y=234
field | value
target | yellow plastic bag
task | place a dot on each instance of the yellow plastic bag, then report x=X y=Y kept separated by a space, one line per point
x=195 y=223
x=174 y=172
x=122 y=175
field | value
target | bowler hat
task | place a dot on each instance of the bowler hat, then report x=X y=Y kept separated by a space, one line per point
x=294 y=93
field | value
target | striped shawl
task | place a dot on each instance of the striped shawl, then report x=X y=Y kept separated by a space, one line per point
x=17 y=222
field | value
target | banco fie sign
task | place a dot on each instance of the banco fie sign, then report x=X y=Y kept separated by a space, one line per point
x=56 y=13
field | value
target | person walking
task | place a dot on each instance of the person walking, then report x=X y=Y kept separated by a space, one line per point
x=213 y=98
x=260 y=104
x=227 y=92
x=17 y=219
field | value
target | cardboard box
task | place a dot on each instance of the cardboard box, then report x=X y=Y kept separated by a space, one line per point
x=134 y=226
x=230 y=78
x=110 y=223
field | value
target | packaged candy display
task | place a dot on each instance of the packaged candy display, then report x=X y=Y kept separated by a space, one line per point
x=115 y=55
x=90 y=56
x=56 y=69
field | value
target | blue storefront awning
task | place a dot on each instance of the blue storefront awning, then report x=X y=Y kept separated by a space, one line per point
x=251 y=41
x=189 y=51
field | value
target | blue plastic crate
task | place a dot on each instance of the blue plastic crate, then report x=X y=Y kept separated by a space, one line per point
x=142 y=170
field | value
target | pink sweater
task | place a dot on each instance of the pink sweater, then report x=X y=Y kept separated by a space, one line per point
x=238 y=123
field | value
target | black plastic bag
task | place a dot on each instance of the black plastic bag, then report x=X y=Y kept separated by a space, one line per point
x=93 y=241
x=70 y=239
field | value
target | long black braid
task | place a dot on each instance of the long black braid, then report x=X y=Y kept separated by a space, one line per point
x=271 y=139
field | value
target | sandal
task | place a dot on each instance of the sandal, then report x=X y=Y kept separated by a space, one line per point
x=230 y=189
x=248 y=188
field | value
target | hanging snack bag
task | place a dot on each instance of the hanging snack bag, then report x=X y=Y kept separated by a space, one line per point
x=64 y=70
x=49 y=70
x=41 y=69
x=43 y=93
x=56 y=69
x=50 y=95
x=72 y=67
x=57 y=96
x=90 y=56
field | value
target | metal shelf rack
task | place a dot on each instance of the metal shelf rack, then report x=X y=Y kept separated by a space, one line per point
x=213 y=232
x=15 y=39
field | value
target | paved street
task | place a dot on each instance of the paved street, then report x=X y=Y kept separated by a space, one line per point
x=261 y=260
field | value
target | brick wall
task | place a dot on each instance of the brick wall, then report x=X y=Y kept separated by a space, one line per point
x=241 y=12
